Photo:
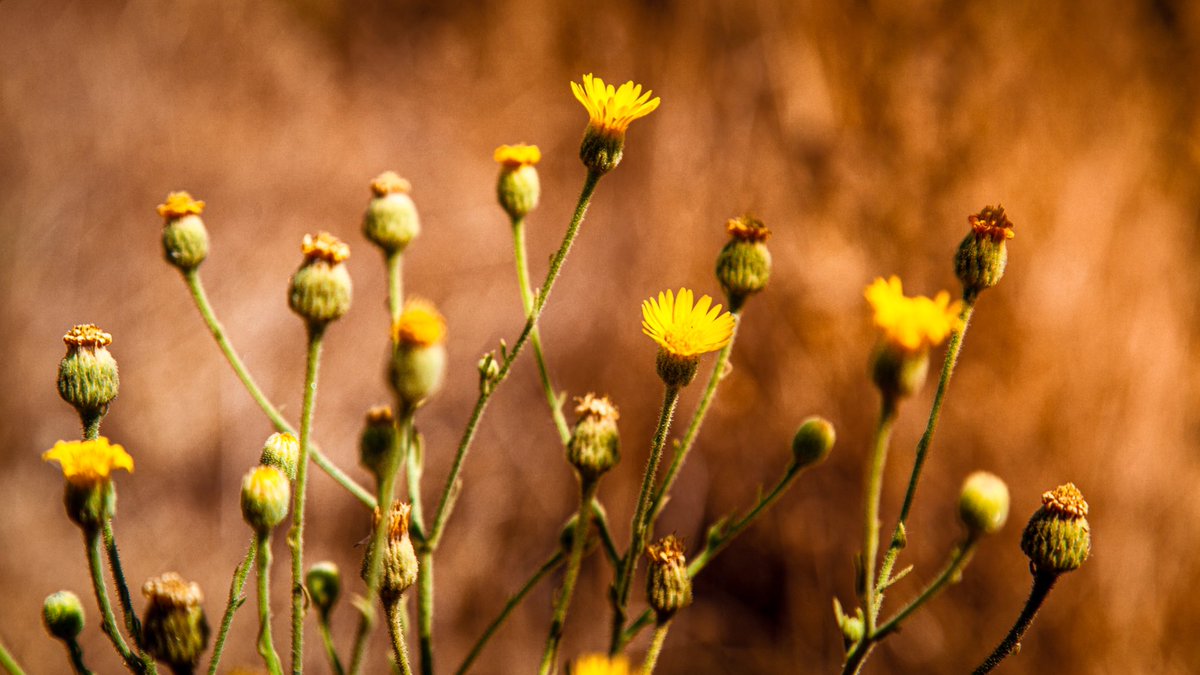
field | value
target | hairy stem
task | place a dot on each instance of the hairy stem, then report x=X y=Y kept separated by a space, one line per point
x=335 y=663
x=1042 y=585
x=395 y=612
x=656 y=645
x=266 y=645
x=91 y=540
x=299 y=492
x=878 y=458
x=235 y=601
x=132 y=625
x=587 y=492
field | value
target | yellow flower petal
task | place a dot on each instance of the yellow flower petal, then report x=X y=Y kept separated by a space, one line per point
x=685 y=327
x=612 y=110
x=89 y=462
x=912 y=323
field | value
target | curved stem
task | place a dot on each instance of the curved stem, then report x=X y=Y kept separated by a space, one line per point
x=562 y=605
x=76 y=654
x=878 y=458
x=1042 y=584
x=560 y=421
x=132 y=625
x=656 y=645
x=91 y=540
x=235 y=601
x=899 y=535
x=218 y=332
x=335 y=663
x=299 y=492
x=637 y=530
x=549 y=566
x=395 y=612
x=689 y=438
x=266 y=645
x=10 y=664
x=450 y=490
x=950 y=574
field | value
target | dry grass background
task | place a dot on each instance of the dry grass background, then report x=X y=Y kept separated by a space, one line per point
x=862 y=132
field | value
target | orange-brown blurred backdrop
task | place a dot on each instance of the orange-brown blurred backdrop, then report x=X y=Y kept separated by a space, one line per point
x=863 y=133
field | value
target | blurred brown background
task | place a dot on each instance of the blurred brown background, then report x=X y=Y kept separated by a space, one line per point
x=863 y=133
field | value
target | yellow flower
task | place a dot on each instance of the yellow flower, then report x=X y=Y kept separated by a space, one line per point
x=611 y=110
x=420 y=324
x=180 y=204
x=599 y=664
x=520 y=154
x=324 y=246
x=685 y=329
x=912 y=323
x=87 y=463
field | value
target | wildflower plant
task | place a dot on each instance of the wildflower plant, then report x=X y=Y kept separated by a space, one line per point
x=406 y=516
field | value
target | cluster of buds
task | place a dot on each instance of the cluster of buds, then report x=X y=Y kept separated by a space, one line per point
x=174 y=629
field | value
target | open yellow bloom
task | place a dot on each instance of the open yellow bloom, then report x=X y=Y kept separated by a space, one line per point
x=517 y=155
x=599 y=664
x=420 y=324
x=912 y=323
x=180 y=204
x=683 y=328
x=612 y=109
x=87 y=463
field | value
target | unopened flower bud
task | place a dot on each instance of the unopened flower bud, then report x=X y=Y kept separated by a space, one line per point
x=87 y=374
x=391 y=221
x=595 y=444
x=813 y=441
x=899 y=372
x=378 y=437
x=320 y=290
x=983 y=504
x=418 y=364
x=62 y=612
x=184 y=238
x=983 y=254
x=489 y=371
x=174 y=629
x=399 y=556
x=282 y=451
x=668 y=584
x=518 y=188
x=744 y=265
x=265 y=495
x=324 y=583
x=1058 y=537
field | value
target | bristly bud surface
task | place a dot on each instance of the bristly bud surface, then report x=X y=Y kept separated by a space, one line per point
x=266 y=492
x=282 y=451
x=378 y=437
x=595 y=444
x=1058 y=537
x=320 y=291
x=518 y=189
x=174 y=629
x=668 y=584
x=184 y=237
x=744 y=264
x=813 y=441
x=418 y=364
x=391 y=221
x=62 y=613
x=983 y=254
x=324 y=584
x=87 y=374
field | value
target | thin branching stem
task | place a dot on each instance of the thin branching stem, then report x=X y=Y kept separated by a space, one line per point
x=132 y=625
x=266 y=645
x=395 y=613
x=91 y=540
x=10 y=664
x=1043 y=583
x=587 y=492
x=316 y=334
x=875 y=465
x=656 y=645
x=235 y=601
x=335 y=662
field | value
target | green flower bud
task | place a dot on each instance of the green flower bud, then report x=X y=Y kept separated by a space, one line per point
x=983 y=254
x=265 y=495
x=813 y=441
x=676 y=370
x=87 y=466
x=418 y=364
x=853 y=627
x=324 y=583
x=378 y=437
x=320 y=290
x=391 y=221
x=601 y=151
x=1058 y=537
x=899 y=372
x=983 y=504
x=282 y=451
x=184 y=238
x=595 y=444
x=518 y=188
x=90 y=505
x=62 y=612
x=744 y=265
x=399 y=556
x=87 y=374
x=668 y=584
x=174 y=629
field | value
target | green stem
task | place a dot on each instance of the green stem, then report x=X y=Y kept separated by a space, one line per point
x=132 y=625
x=600 y=517
x=395 y=612
x=395 y=265
x=91 y=425
x=560 y=421
x=656 y=645
x=266 y=645
x=549 y=566
x=316 y=334
x=637 y=530
x=450 y=490
x=693 y=429
x=91 y=539
x=335 y=663
x=425 y=609
x=235 y=601
x=218 y=332
x=10 y=664
x=883 y=433
x=900 y=535
x=1042 y=584
x=949 y=575
x=386 y=492
x=587 y=492
x=76 y=654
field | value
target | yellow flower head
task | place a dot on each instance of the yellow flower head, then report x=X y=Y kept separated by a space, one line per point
x=419 y=325
x=513 y=156
x=1066 y=501
x=599 y=664
x=612 y=109
x=912 y=323
x=180 y=204
x=87 y=335
x=388 y=182
x=324 y=246
x=683 y=328
x=87 y=463
x=747 y=228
